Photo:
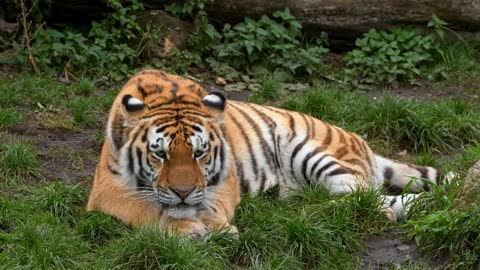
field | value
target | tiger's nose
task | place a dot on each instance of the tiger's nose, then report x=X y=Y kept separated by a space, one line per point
x=182 y=192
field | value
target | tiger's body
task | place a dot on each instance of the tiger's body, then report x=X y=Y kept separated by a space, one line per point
x=180 y=158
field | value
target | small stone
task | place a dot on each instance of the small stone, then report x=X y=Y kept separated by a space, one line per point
x=65 y=80
x=220 y=81
x=402 y=153
x=403 y=247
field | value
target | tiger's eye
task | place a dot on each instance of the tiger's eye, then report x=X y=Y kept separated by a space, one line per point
x=161 y=154
x=198 y=153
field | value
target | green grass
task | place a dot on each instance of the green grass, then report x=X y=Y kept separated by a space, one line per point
x=45 y=225
x=9 y=116
x=67 y=107
x=410 y=124
x=18 y=159
x=49 y=228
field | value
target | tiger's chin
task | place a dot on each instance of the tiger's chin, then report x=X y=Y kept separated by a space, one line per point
x=181 y=211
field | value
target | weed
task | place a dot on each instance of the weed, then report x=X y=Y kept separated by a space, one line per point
x=44 y=243
x=269 y=90
x=9 y=117
x=269 y=44
x=152 y=248
x=60 y=200
x=385 y=57
x=18 y=159
x=102 y=51
x=456 y=232
x=83 y=112
x=98 y=228
x=83 y=86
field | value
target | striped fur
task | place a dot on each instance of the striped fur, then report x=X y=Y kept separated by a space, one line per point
x=180 y=158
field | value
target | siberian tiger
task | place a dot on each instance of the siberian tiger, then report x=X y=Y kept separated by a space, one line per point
x=180 y=158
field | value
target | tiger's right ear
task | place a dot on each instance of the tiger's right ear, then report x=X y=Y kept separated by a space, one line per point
x=123 y=118
x=132 y=104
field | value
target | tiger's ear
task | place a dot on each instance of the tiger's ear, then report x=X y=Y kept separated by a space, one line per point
x=132 y=105
x=216 y=101
x=123 y=117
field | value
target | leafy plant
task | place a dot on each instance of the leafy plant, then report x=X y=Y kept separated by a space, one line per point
x=385 y=57
x=103 y=50
x=268 y=44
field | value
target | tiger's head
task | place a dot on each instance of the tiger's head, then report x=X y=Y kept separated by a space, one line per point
x=166 y=134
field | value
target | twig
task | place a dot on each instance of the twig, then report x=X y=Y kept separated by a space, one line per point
x=26 y=38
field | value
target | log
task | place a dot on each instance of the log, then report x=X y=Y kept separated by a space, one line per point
x=348 y=19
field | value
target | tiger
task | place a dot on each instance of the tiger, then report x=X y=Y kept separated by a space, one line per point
x=180 y=158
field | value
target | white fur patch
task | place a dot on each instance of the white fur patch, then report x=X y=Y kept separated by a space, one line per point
x=181 y=212
x=134 y=101
x=213 y=99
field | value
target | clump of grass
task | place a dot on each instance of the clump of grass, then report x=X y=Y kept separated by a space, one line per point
x=18 y=159
x=98 y=228
x=60 y=200
x=269 y=90
x=9 y=116
x=83 y=86
x=154 y=249
x=83 y=112
x=452 y=231
x=44 y=243
x=459 y=58
x=12 y=213
x=307 y=227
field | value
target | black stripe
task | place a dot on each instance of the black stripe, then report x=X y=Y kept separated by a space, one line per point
x=214 y=180
x=338 y=171
x=162 y=128
x=263 y=179
x=111 y=169
x=117 y=131
x=312 y=170
x=295 y=152
x=269 y=157
x=271 y=128
x=253 y=160
x=140 y=182
x=145 y=135
x=305 y=162
x=324 y=168
x=130 y=161
x=393 y=201
x=299 y=146
x=244 y=186
x=387 y=174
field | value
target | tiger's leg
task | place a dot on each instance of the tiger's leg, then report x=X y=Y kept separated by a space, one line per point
x=395 y=177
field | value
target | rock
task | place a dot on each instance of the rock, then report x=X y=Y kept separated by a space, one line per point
x=220 y=81
x=168 y=31
x=472 y=179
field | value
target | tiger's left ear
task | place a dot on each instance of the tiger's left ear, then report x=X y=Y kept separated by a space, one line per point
x=215 y=103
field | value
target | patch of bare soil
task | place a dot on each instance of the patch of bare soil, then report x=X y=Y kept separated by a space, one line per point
x=64 y=154
x=392 y=251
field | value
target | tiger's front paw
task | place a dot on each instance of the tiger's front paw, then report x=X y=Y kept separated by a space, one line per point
x=191 y=228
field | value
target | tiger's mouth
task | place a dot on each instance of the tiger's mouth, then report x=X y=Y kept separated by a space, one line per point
x=181 y=210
